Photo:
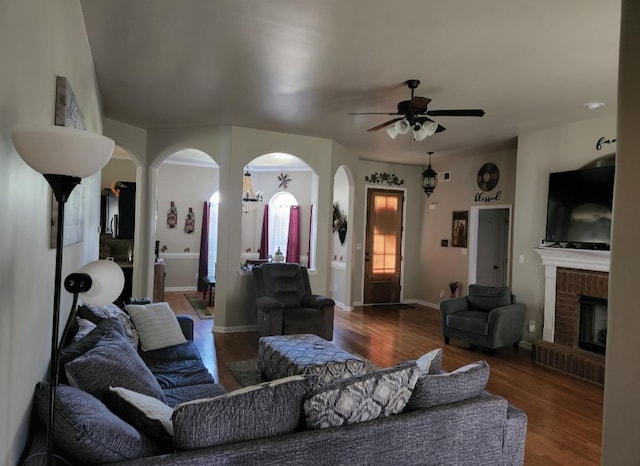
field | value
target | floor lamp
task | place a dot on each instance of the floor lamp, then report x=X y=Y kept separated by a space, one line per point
x=64 y=156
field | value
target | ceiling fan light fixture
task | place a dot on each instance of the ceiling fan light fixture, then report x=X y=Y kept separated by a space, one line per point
x=402 y=126
x=392 y=131
x=430 y=127
x=420 y=133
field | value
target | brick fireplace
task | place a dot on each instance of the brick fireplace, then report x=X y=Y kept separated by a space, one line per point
x=570 y=274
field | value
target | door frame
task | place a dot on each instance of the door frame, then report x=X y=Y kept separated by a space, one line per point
x=473 y=239
x=402 y=242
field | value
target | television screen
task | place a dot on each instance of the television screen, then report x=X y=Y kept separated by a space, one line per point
x=579 y=208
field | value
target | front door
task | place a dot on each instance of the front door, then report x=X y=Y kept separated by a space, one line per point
x=383 y=246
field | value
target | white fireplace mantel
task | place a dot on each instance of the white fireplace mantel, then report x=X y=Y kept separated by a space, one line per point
x=552 y=258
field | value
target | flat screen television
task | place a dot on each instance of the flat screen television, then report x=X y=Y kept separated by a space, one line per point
x=579 y=208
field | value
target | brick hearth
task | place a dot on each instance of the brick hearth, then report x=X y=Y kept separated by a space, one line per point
x=563 y=353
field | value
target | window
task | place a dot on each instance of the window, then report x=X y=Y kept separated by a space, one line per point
x=213 y=233
x=279 y=207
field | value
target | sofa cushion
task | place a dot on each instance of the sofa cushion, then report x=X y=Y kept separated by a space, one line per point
x=112 y=362
x=157 y=325
x=362 y=398
x=109 y=311
x=485 y=298
x=254 y=412
x=84 y=328
x=88 y=431
x=146 y=413
x=177 y=395
x=437 y=389
x=184 y=352
x=171 y=374
x=469 y=321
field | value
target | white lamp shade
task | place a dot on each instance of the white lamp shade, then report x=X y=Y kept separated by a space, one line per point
x=430 y=127
x=107 y=281
x=392 y=131
x=58 y=150
x=402 y=126
x=420 y=133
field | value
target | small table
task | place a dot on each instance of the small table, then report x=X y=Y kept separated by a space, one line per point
x=284 y=355
x=210 y=285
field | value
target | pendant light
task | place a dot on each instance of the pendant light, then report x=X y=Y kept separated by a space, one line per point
x=429 y=178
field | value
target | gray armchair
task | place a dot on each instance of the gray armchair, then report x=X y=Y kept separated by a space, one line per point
x=488 y=317
x=285 y=304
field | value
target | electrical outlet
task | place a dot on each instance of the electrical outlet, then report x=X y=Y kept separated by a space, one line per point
x=532 y=326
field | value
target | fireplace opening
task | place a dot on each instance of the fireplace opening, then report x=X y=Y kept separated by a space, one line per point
x=593 y=324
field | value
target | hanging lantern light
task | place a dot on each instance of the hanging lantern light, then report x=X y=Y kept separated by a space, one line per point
x=429 y=179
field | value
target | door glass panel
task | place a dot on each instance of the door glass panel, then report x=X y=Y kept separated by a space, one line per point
x=385 y=235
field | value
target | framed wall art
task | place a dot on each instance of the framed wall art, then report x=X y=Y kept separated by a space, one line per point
x=67 y=113
x=459 y=229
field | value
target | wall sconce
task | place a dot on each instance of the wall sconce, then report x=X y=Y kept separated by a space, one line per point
x=429 y=179
x=250 y=198
x=63 y=156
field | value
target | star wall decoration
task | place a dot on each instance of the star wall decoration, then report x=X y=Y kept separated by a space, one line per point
x=284 y=180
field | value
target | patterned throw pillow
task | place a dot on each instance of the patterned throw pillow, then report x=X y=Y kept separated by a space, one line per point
x=157 y=325
x=84 y=327
x=112 y=362
x=146 y=413
x=363 y=398
x=259 y=411
x=437 y=389
x=86 y=429
x=109 y=311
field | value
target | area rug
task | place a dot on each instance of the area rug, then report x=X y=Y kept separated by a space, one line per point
x=198 y=305
x=247 y=373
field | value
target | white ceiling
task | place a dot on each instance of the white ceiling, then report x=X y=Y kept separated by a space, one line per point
x=300 y=66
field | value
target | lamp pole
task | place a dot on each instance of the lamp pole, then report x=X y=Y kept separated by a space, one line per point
x=62 y=186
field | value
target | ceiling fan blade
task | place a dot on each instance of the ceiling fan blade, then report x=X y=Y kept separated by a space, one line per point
x=374 y=113
x=467 y=112
x=386 y=123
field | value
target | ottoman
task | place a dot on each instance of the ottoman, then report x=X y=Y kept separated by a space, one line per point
x=284 y=355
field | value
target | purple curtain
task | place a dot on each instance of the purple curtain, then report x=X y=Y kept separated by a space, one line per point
x=203 y=263
x=264 y=237
x=310 y=228
x=293 y=240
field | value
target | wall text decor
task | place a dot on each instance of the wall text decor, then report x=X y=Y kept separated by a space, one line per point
x=604 y=140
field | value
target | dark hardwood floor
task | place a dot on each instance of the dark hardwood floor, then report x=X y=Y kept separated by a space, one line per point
x=565 y=414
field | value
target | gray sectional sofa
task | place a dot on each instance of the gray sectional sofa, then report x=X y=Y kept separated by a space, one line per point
x=407 y=414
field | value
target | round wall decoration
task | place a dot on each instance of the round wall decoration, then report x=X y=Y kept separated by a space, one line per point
x=488 y=176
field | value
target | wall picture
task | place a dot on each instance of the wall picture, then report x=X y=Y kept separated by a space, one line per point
x=459 y=229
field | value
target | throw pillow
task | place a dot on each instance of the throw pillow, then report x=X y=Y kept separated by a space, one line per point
x=430 y=363
x=259 y=411
x=88 y=431
x=84 y=327
x=437 y=389
x=362 y=398
x=157 y=325
x=83 y=345
x=112 y=362
x=109 y=311
x=147 y=414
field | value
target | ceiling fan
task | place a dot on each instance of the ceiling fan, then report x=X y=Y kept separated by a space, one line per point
x=414 y=115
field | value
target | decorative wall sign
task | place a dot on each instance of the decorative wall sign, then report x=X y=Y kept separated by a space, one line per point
x=68 y=113
x=459 y=229
x=390 y=178
x=284 y=180
x=601 y=141
x=488 y=176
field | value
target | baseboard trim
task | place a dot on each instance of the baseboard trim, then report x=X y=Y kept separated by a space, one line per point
x=235 y=329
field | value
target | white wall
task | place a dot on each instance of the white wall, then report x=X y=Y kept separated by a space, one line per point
x=621 y=422
x=539 y=153
x=340 y=256
x=38 y=40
